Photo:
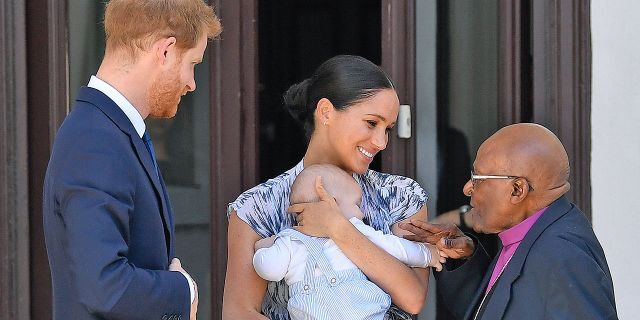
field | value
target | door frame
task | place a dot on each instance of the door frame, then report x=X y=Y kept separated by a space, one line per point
x=234 y=125
x=14 y=207
x=47 y=95
x=399 y=61
x=561 y=84
x=544 y=77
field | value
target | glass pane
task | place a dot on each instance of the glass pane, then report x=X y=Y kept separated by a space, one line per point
x=86 y=42
x=467 y=92
x=457 y=100
x=182 y=145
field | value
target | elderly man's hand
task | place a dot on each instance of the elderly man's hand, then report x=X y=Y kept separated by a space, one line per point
x=451 y=242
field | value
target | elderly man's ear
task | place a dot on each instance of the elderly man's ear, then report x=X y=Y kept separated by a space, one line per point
x=520 y=191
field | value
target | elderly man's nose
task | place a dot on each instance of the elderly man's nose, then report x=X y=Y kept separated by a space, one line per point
x=468 y=188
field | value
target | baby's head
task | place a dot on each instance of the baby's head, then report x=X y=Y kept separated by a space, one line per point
x=338 y=183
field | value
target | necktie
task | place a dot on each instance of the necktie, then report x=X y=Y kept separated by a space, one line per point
x=147 y=143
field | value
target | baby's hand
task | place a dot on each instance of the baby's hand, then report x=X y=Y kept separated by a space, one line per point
x=437 y=257
x=265 y=242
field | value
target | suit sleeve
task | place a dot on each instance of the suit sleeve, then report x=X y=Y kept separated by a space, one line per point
x=95 y=197
x=272 y=263
x=460 y=280
x=578 y=286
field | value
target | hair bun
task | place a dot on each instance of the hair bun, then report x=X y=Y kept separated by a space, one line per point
x=296 y=99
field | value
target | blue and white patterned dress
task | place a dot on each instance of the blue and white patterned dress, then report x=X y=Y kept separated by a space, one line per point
x=386 y=199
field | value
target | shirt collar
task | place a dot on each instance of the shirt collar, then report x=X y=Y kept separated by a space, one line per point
x=129 y=110
x=516 y=233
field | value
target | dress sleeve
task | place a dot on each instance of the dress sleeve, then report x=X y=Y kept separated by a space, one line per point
x=404 y=196
x=263 y=208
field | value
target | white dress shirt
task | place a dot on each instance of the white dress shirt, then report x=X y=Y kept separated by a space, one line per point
x=287 y=258
x=138 y=123
x=122 y=102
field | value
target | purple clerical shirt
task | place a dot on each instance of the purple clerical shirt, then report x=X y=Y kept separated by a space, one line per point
x=511 y=239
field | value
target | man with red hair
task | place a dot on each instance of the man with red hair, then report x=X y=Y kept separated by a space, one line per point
x=108 y=222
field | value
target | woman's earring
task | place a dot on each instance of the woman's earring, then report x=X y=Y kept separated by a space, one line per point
x=325 y=122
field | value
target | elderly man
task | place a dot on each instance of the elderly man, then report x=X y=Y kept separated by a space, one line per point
x=551 y=265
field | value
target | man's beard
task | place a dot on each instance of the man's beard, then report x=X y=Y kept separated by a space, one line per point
x=164 y=95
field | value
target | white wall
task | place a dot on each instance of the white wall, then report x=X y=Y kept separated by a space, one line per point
x=615 y=157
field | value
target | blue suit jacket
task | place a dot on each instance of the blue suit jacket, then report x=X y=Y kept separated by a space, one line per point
x=108 y=222
x=559 y=271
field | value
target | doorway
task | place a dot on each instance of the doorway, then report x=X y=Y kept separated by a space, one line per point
x=294 y=38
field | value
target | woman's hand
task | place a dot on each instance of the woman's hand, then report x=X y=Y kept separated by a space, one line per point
x=407 y=287
x=437 y=257
x=319 y=219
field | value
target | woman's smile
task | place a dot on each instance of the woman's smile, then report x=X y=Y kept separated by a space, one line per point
x=367 y=154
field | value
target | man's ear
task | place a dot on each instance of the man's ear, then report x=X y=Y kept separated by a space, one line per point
x=324 y=111
x=164 y=48
x=520 y=190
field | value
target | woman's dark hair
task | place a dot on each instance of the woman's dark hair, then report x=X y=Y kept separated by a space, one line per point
x=344 y=80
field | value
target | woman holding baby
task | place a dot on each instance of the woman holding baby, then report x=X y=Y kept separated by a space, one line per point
x=348 y=107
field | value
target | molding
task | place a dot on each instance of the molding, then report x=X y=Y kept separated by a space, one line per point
x=509 y=62
x=545 y=77
x=562 y=84
x=47 y=91
x=58 y=65
x=399 y=62
x=234 y=149
x=14 y=204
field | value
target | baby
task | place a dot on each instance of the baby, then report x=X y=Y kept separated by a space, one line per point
x=323 y=282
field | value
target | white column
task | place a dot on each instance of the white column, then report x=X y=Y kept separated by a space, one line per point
x=615 y=138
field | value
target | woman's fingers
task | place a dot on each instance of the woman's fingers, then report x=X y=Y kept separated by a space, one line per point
x=415 y=238
x=296 y=208
x=428 y=227
x=412 y=228
x=322 y=193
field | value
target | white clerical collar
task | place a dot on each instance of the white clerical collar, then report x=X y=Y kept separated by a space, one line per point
x=122 y=102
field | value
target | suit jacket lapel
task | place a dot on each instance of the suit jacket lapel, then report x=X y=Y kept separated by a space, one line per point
x=168 y=217
x=158 y=185
x=497 y=306
x=111 y=110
